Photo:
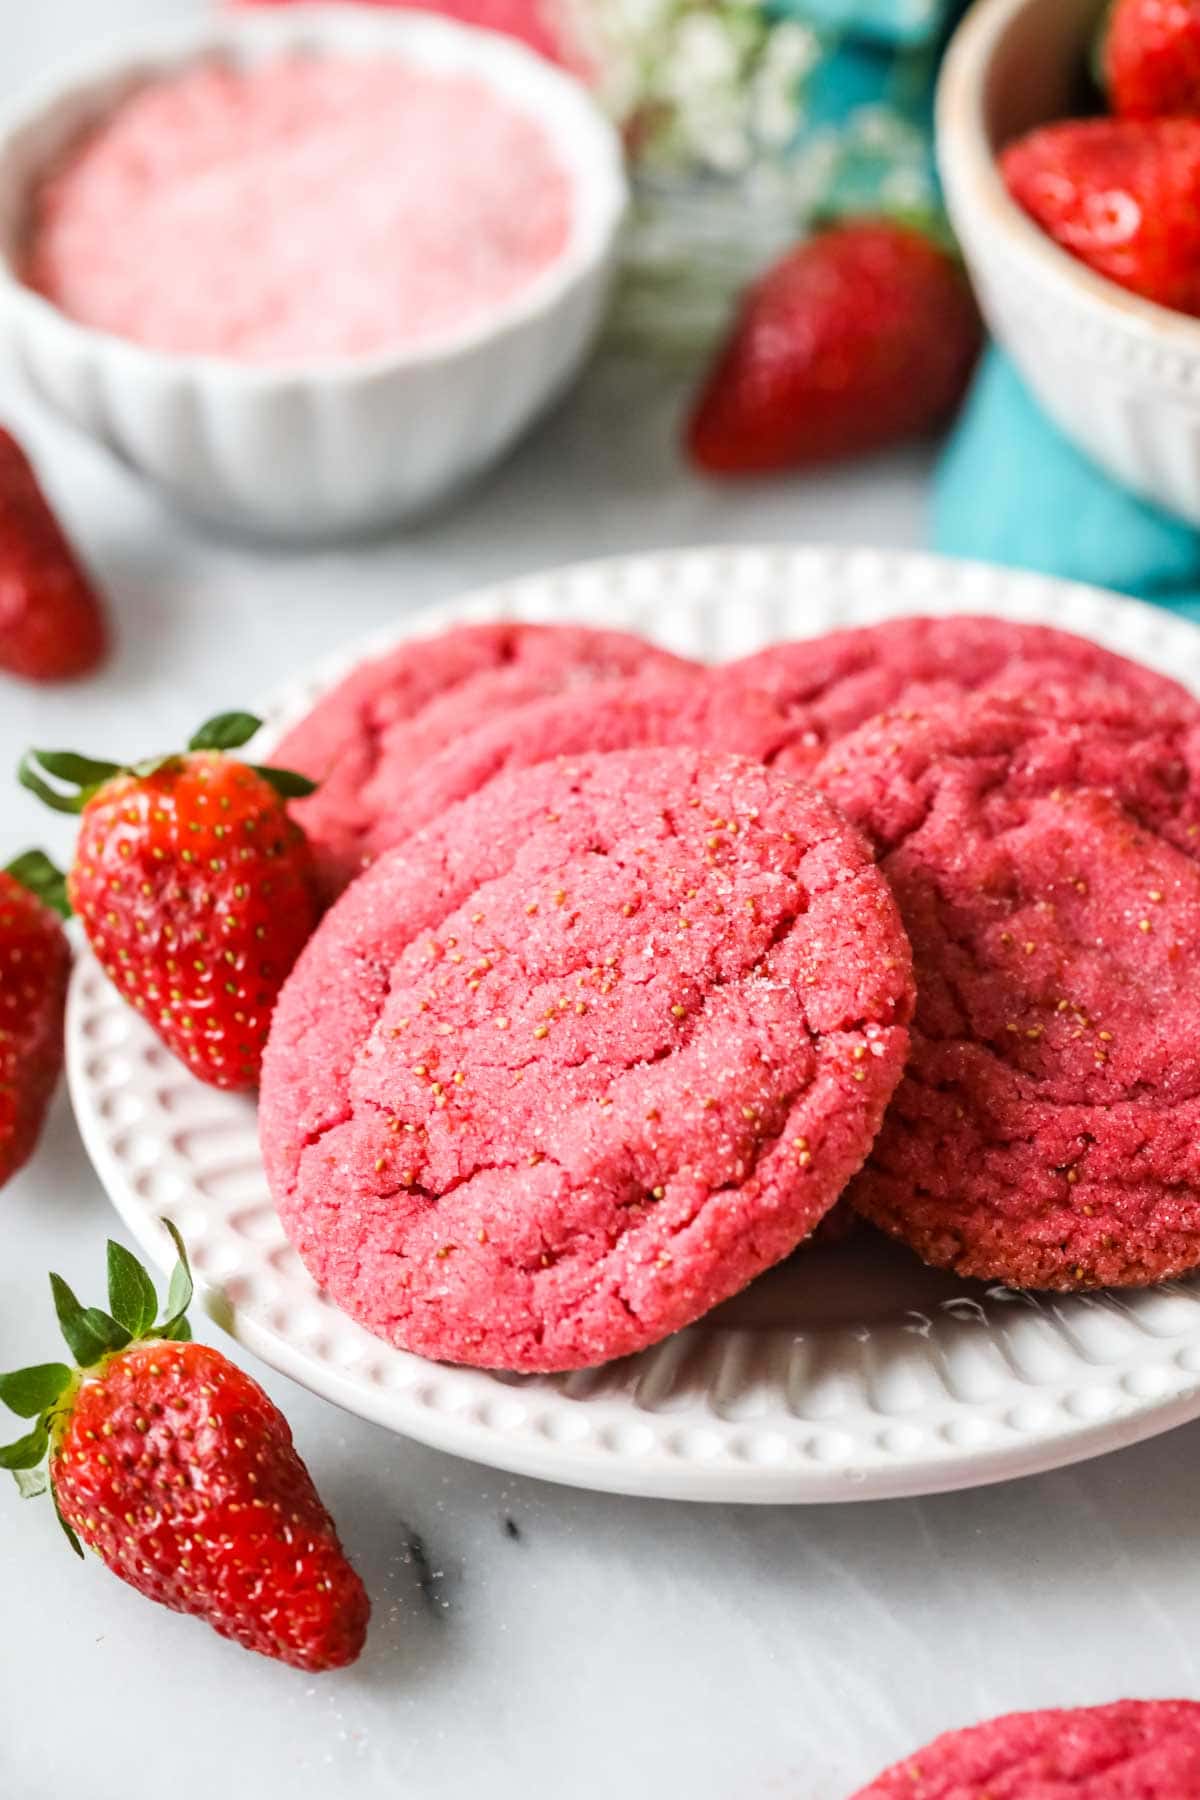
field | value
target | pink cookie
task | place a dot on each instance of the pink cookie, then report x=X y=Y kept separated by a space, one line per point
x=1045 y=856
x=1133 y=1750
x=830 y=685
x=702 y=712
x=583 y=1058
x=364 y=740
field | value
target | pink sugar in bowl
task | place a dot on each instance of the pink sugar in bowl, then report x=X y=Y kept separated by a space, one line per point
x=308 y=271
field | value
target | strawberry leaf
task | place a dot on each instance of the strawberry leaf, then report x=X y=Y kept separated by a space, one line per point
x=287 y=783
x=31 y=1482
x=35 y=871
x=28 y=1451
x=178 y=1331
x=29 y=778
x=28 y=1392
x=70 y=1536
x=90 y=1333
x=179 y=1294
x=228 y=731
x=78 y=776
x=131 y=1293
x=80 y=771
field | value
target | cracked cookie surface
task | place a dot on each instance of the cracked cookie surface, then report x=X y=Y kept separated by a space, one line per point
x=702 y=711
x=830 y=685
x=362 y=741
x=580 y=1060
x=1132 y=1750
x=1044 y=857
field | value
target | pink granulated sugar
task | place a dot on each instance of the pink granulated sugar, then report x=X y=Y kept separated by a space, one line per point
x=310 y=208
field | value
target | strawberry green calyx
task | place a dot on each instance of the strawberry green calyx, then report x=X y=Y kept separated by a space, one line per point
x=45 y=1392
x=34 y=870
x=66 y=781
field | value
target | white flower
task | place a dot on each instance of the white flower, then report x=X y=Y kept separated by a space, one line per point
x=705 y=55
x=712 y=83
x=788 y=56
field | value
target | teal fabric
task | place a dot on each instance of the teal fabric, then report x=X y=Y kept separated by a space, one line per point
x=850 y=76
x=1011 y=489
x=887 y=21
x=873 y=109
x=853 y=75
x=865 y=106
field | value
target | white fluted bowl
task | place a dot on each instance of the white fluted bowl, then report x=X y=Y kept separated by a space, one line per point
x=329 y=448
x=1120 y=375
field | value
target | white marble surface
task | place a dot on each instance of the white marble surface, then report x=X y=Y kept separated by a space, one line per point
x=605 y=1646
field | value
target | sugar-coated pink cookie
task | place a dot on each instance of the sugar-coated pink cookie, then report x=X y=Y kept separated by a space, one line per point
x=695 y=710
x=364 y=739
x=830 y=685
x=583 y=1058
x=1044 y=855
x=1133 y=1750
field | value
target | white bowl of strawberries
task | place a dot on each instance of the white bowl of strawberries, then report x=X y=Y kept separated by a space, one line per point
x=1081 y=232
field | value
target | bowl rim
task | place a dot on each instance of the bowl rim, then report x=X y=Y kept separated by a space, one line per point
x=584 y=139
x=970 y=171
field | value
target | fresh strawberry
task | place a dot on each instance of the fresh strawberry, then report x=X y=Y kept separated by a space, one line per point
x=862 y=336
x=35 y=960
x=1151 y=58
x=51 y=620
x=176 y=1468
x=196 y=890
x=1123 y=195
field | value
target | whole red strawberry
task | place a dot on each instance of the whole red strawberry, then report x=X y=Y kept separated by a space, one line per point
x=861 y=337
x=1152 y=58
x=35 y=960
x=176 y=1468
x=1123 y=195
x=195 y=888
x=52 y=623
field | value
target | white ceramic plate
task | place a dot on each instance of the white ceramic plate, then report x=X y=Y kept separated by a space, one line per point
x=849 y=1373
